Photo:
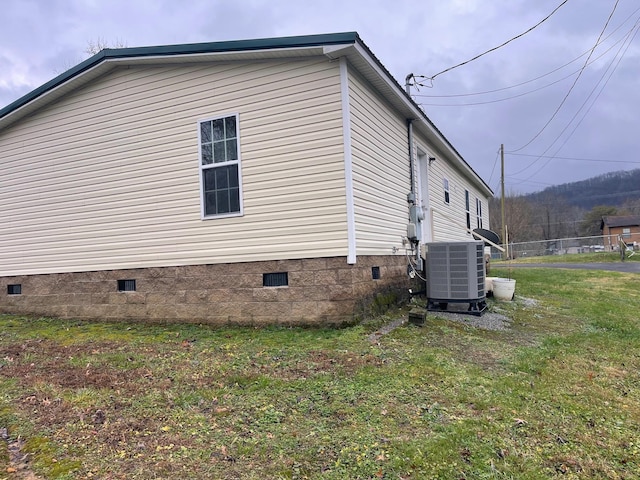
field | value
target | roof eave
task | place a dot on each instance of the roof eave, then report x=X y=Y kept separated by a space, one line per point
x=104 y=57
x=332 y=45
x=401 y=100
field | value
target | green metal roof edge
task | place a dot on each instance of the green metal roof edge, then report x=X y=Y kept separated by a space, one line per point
x=182 y=49
x=220 y=47
x=421 y=112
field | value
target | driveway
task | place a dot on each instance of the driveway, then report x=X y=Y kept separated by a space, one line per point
x=624 y=267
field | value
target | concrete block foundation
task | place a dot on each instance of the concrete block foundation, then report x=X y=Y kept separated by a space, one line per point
x=323 y=291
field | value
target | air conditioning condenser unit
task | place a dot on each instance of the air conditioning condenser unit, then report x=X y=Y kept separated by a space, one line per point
x=455 y=274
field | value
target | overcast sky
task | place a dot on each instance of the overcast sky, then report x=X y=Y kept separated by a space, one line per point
x=542 y=100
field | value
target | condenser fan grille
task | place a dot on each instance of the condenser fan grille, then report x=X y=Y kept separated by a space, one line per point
x=455 y=272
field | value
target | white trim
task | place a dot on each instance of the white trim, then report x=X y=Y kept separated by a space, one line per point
x=423 y=194
x=238 y=162
x=328 y=50
x=479 y=212
x=348 y=165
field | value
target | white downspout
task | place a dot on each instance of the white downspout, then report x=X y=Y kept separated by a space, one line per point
x=348 y=165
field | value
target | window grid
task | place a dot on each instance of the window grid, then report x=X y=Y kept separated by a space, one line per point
x=220 y=166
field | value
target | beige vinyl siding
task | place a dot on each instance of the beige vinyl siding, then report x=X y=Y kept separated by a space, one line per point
x=380 y=171
x=108 y=176
x=449 y=220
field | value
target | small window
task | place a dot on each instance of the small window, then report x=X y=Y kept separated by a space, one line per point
x=445 y=184
x=467 y=207
x=479 y=212
x=15 y=289
x=375 y=273
x=279 y=279
x=220 y=167
x=626 y=233
x=126 y=285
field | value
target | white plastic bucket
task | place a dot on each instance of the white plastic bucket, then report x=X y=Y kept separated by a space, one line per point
x=503 y=289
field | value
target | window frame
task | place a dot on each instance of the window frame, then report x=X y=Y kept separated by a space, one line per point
x=479 y=212
x=626 y=232
x=447 y=191
x=467 y=205
x=203 y=167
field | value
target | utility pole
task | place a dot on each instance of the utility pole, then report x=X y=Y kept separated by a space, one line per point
x=504 y=225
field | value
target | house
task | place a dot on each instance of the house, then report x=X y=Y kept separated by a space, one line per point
x=625 y=227
x=247 y=182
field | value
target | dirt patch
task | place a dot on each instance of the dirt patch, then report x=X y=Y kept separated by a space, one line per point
x=36 y=362
x=18 y=466
x=315 y=362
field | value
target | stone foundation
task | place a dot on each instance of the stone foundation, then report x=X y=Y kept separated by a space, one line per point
x=320 y=291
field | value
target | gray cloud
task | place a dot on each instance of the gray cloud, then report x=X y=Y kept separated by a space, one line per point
x=41 y=38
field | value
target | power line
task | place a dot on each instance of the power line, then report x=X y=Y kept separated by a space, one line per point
x=543 y=75
x=574 y=82
x=637 y=27
x=572 y=158
x=499 y=46
x=494 y=165
x=498 y=100
x=590 y=196
x=628 y=40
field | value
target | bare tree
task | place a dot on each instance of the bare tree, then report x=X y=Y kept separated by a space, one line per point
x=556 y=219
x=96 y=46
x=590 y=225
x=93 y=47
x=519 y=215
x=632 y=206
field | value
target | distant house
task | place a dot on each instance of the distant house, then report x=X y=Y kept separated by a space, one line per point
x=247 y=182
x=626 y=227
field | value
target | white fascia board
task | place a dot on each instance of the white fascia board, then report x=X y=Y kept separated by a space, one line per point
x=331 y=50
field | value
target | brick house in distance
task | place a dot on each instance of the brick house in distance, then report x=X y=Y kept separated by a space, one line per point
x=627 y=226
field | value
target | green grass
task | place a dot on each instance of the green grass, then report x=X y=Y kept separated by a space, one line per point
x=599 y=257
x=557 y=395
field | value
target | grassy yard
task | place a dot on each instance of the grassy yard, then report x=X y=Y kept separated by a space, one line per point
x=556 y=395
x=598 y=257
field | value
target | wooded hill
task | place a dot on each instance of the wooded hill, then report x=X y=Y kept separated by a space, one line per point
x=614 y=189
x=569 y=210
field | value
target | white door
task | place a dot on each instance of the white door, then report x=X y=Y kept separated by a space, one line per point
x=423 y=195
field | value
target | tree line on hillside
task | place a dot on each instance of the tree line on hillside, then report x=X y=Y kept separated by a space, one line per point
x=561 y=212
x=613 y=188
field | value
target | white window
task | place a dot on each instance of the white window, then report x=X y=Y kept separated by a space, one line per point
x=626 y=232
x=445 y=184
x=479 y=212
x=467 y=207
x=220 y=174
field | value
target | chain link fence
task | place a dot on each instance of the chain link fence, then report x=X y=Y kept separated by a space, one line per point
x=563 y=246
